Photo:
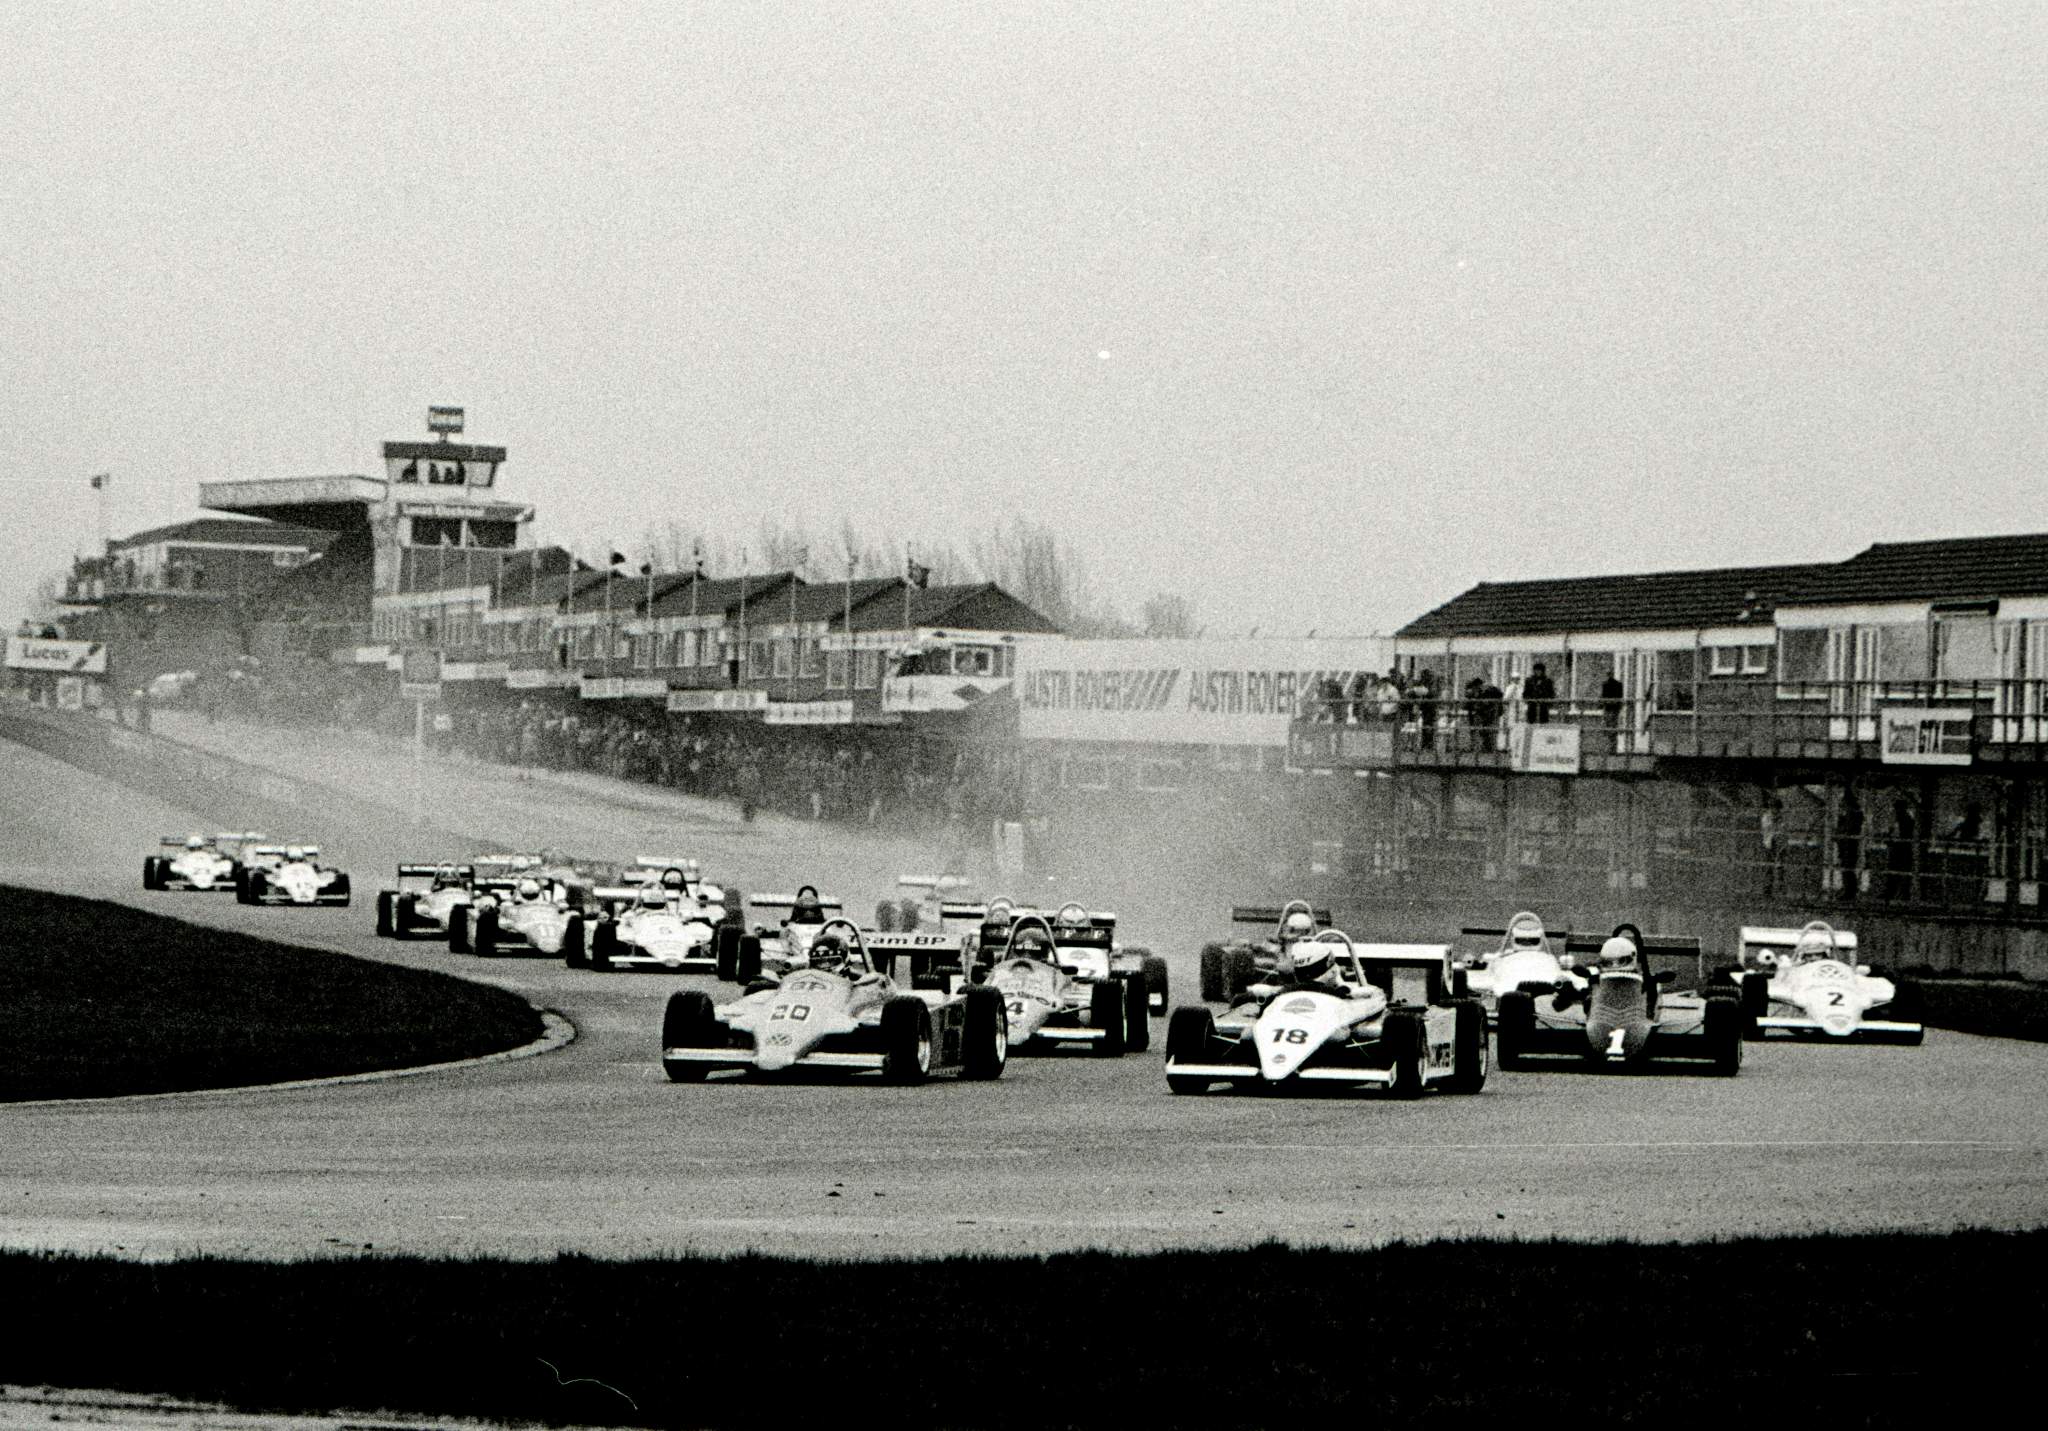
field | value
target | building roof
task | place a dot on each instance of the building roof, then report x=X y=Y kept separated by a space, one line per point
x=1954 y=569
x=1651 y=601
x=226 y=530
x=976 y=606
x=720 y=593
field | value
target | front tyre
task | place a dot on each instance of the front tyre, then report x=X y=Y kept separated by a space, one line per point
x=1723 y=1031
x=1153 y=971
x=459 y=924
x=573 y=953
x=1755 y=1001
x=1190 y=1034
x=906 y=1040
x=1515 y=1021
x=1106 y=1013
x=987 y=1034
x=604 y=942
x=725 y=947
x=1405 y=1036
x=152 y=872
x=484 y=938
x=689 y=1022
x=1212 y=973
x=386 y=926
x=747 y=962
x=1469 y=1056
x=1137 y=1014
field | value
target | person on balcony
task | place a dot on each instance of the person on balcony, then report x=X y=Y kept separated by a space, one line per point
x=1538 y=691
x=1849 y=842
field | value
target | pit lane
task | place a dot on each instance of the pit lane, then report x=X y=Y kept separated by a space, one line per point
x=591 y=1149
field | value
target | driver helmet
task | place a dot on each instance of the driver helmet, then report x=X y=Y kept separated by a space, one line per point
x=1813 y=946
x=652 y=896
x=195 y=842
x=1312 y=961
x=672 y=882
x=1526 y=936
x=1031 y=942
x=829 y=953
x=1298 y=925
x=446 y=875
x=807 y=902
x=1619 y=952
x=295 y=852
x=528 y=890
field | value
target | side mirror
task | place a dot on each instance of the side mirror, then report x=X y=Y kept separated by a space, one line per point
x=1070 y=968
x=1767 y=959
x=1863 y=968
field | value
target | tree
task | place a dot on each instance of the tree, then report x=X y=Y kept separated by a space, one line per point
x=1166 y=616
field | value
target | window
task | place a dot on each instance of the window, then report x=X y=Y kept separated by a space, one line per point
x=974 y=661
x=1086 y=772
x=835 y=670
x=785 y=657
x=758 y=661
x=1903 y=652
x=1723 y=660
x=814 y=660
x=867 y=670
x=1756 y=660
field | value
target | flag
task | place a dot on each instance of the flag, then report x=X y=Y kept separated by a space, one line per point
x=101 y=479
x=618 y=559
x=918 y=576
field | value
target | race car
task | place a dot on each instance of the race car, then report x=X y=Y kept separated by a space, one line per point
x=256 y=853
x=1806 y=982
x=426 y=897
x=943 y=901
x=743 y=955
x=1337 y=1014
x=296 y=877
x=1523 y=954
x=1062 y=984
x=661 y=923
x=1230 y=967
x=202 y=862
x=518 y=915
x=839 y=1013
x=1609 y=1008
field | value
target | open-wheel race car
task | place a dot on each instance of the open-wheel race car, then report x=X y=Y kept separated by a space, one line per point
x=1231 y=966
x=668 y=921
x=1335 y=1014
x=839 y=1013
x=1522 y=953
x=942 y=901
x=744 y=955
x=1063 y=981
x=524 y=914
x=1611 y=1008
x=423 y=901
x=197 y=861
x=296 y=875
x=1806 y=982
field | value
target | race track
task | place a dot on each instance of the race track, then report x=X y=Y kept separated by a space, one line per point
x=591 y=1149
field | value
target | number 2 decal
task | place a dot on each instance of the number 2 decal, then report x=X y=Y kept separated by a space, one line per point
x=1834 y=998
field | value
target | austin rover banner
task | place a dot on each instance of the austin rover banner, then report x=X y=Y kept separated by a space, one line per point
x=1200 y=692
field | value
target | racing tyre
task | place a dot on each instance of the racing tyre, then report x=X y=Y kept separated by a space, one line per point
x=1240 y=972
x=252 y=889
x=484 y=938
x=1212 y=973
x=906 y=1040
x=574 y=955
x=1515 y=1022
x=1404 y=1035
x=1908 y=1006
x=928 y=984
x=1461 y=982
x=747 y=965
x=386 y=929
x=458 y=929
x=725 y=947
x=986 y=1033
x=688 y=1022
x=604 y=939
x=1723 y=1031
x=1469 y=1057
x=150 y=878
x=1154 y=970
x=1189 y=1035
x=1137 y=1014
x=340 y=887
x=405 y=913
x=1106 y=1012
x=1755 y=997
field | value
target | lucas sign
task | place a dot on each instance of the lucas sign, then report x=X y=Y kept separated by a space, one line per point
x=29 y=653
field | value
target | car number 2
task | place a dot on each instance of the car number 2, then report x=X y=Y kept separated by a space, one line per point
x=795 y=1013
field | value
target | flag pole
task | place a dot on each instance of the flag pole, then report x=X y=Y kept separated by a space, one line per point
x=852 y=565
x=746 y=653
x=795 y=645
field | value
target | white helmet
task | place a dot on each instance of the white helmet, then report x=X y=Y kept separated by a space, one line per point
x=195 y=842
x=652 y=896
x=1311 y=959
x=1813 y=946
x=1299 y=924
x=529 y=889
x=1618 y=952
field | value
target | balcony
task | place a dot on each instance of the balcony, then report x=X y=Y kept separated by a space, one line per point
x=1920 y=722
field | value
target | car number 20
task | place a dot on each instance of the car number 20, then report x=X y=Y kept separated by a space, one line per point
x=795 y=1013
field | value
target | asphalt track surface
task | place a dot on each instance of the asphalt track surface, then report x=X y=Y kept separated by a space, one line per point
x=590 y=1148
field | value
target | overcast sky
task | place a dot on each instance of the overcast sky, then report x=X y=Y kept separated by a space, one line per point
x=1316 y=313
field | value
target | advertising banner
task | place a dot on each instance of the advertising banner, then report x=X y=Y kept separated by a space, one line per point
x=30 y=653
x=419 y=674
x=539 y=678
x=1924 y=735
x=810 y=713
x=615 y=688
x=1199 y=692
x=696 y=702
x=1544 y=749
x=441 y=464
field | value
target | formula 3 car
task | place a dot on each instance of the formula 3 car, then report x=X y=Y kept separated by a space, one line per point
x=841 y=1014
x=1611 y=1009
x=1231 y=966
x=1338 y=1014
x=1522 y=953
x=201 y=862
x=297 y=876
x=1806 y=982
x=666 y=922
x=745 y=955
x=1061 y=982
x=526 y=914
x=422 y=905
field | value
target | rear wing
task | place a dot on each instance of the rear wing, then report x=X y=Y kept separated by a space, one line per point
x=1845 y=940
x=950 y=914
x=176 y=841
x=1099 y=932
x=1270 y=914
x=1678 y=953
x=914 y=941
x=940 y=883
x=466 y=871
x=831 y=904
x=1406 y=973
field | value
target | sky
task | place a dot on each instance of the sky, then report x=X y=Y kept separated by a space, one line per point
x=1315 y=314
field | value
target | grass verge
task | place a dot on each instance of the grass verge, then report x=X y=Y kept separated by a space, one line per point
x=2003 y=1008
x=103 y=999
x=1857 y=1329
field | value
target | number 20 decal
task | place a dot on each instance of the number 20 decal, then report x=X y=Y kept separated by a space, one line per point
x=795 y=1013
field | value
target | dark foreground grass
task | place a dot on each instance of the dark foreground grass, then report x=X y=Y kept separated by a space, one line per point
x=102 y=999
x=1855 y=1330
x=2004 y=1008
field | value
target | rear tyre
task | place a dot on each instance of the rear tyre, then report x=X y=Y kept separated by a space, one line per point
x=151 y=877
x=1137 y=1014
x=906 y=1040
x=1240 y=972
x=1404 y=1035
x=1106 y=1012
x=575 y=953
x=484 y=938
x=1154 y=971
x=688 y=1022
x=1469 y=1056
x=725 y=948
x=1723 y=1030
x=987 y=1034
x=1189 y=1035
x=747 y=965
x=386 y=927
x=1755 y=999
x=405 y=913
x=1515 y=1024
x=1212 y=973
x=458 y=929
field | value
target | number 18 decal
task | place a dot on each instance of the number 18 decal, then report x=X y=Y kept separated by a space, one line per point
x=1290 y=1035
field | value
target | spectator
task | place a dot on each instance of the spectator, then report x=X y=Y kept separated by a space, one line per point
x=1848 y=842
x=1537 y=694
x=1768 y=833
x=1611 y=696
x=1899 y=851
x=1425 y=707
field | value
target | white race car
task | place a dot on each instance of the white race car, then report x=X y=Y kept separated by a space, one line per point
x=1062 y=984
x=1807 y=982
x=1610 y=1009
x=745 y=956
x=839 y=1013
x=1230 y=966
x=1522 y=954
x=517 y=915
x=295 y=876
x=1338 y=1014
x=666 y=922
x=424 y=900
x=202 y=862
